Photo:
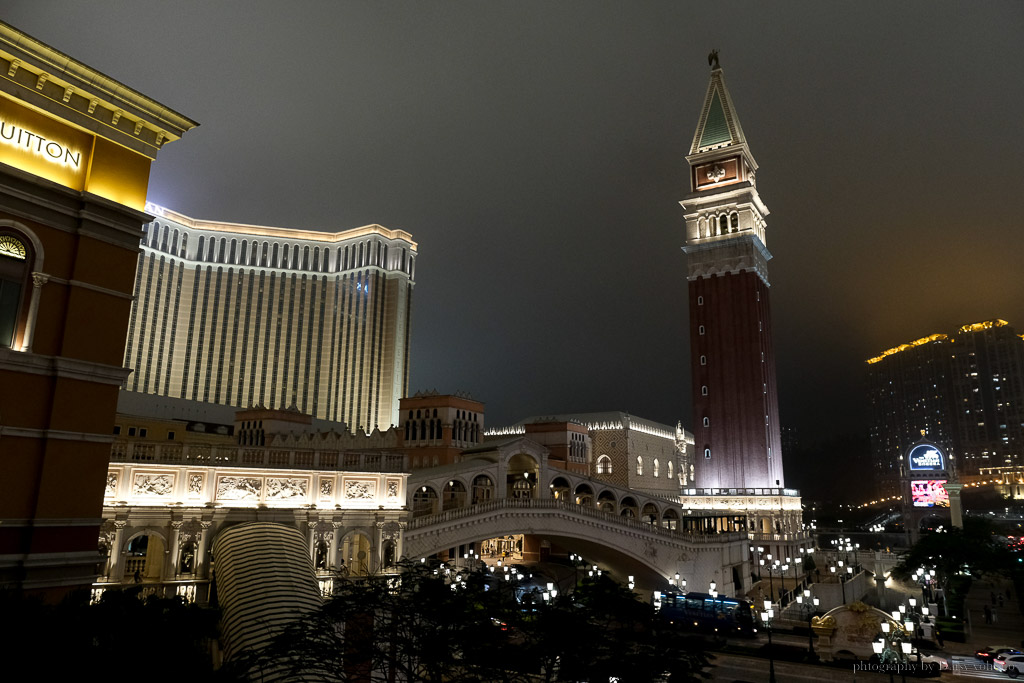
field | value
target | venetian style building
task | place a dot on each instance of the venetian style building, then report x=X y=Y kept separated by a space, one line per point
x=245 y=315
x=182 y=472
x=75 y=153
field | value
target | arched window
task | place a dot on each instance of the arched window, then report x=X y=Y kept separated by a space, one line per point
x=707 y=422
x=316 y=258
x=700 y=300
x=723 y=224
x=734 y=219
x=604 y=464
x=14 y=271
x=704 y=390
x=184 y=245
x=639 y=465
x=326 y=265
x=668 y=468
x=305 y=257
x=703 y=360
x=707 y=453
x=700 y=330
x=264 y=254
x=656 y=468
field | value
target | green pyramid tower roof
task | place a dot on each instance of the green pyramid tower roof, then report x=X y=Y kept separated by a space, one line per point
x=718 y=126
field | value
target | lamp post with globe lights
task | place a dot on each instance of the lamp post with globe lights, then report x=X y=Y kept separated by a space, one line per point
x=766 y=617
x=809 y=605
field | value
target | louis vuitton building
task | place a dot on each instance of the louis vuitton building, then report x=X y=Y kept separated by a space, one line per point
x=244 y=315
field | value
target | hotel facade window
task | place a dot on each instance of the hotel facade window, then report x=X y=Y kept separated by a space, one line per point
x=13 y=280
x=276 y=323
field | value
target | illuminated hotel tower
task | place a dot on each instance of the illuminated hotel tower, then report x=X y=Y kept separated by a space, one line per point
x=736 y=414
x=245 y=315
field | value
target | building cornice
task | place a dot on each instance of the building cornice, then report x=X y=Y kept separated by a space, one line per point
x=280 y=233
x=51 y=81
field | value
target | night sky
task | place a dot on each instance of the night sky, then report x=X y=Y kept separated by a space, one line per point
x=535 y=151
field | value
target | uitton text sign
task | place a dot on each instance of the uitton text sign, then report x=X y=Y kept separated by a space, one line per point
x=51 y=150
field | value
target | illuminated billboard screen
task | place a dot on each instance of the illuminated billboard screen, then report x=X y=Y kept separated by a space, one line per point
x=927 y=493
x=925 y=457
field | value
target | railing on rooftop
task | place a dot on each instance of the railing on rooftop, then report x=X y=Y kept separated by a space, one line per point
x=584 y=510
x=235 y=456
x=742 y=492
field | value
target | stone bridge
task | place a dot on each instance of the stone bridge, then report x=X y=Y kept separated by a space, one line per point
x=650 y=552
x=509 y=488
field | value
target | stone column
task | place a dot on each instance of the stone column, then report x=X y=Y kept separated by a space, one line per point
x=117 y=552
x=171 y=567
x=38 y=280
x=202 y=572
x=956 y=511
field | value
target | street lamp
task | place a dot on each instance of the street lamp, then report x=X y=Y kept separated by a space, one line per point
x=809 y=605
x=766 y=617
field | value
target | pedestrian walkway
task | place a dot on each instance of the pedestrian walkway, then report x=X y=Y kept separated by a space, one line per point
x=1007 y=627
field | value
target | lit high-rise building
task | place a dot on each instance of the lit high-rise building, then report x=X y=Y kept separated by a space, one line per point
x=244 y=316
x=965 y=390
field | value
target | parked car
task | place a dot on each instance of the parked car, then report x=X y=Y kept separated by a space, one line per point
x=1011 y=662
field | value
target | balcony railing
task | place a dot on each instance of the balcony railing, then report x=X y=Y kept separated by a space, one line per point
x=792 y=493
x=572 y=508
x=234 y=456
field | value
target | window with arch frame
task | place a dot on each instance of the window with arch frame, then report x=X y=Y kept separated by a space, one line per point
x=14 y=273
x=639 y=465
x=604 y=464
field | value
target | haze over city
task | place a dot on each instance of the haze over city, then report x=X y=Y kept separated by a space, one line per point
x=535 y=152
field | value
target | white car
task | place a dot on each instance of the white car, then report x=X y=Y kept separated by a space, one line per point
x=1011 y=662
x=941 y=660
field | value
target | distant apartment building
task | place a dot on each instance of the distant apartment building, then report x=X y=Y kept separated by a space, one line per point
x=964 y=390
x=244 y=316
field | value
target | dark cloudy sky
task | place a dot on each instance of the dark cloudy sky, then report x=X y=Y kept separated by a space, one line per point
x=535 y=150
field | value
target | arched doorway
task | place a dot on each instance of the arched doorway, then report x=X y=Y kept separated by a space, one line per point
x=144 y=558
x=584 y=495
x=606 y=502
x=522 y=476
x=355 y=554
x=670 y=520
x=453 y=495
x=559 y=489
x=649 y=514
x=483 y=489
x=424 y=502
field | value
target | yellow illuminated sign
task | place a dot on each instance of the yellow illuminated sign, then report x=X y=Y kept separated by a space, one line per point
x=50 y=150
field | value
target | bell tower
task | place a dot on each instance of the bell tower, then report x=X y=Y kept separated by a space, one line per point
x=735 y=403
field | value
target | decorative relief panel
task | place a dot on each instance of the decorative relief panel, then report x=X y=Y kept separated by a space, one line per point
x=112 y=479
x=286 y=488
x=195 y=484
x=239 y=488
x=360 y=490
x=393 y=487
x=326 y=489
x=153 y=484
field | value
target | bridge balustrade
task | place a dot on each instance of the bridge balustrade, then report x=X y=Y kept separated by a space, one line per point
x=552 y=504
